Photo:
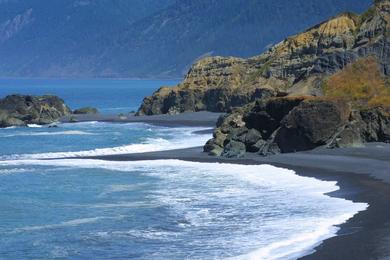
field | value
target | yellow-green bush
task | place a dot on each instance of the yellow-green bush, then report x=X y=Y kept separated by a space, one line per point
x=361 y=83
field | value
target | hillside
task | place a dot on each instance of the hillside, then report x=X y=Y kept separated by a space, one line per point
x=296 y=66
x=134 y=38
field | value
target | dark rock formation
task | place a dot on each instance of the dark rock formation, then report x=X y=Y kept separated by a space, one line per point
x=290 y=124
x=19 y=110
x=85 y=110
x=298 y=66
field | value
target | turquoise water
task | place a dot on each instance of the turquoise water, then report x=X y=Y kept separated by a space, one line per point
x=110 y=96
x=56 y=208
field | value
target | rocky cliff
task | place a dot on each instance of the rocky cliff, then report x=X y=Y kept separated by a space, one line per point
x=290 y=124
x=296 y=66
x=19 y=110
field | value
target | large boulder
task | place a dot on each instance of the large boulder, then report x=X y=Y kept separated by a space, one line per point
x=18 y=110
x=287 y=124
x=310 y=124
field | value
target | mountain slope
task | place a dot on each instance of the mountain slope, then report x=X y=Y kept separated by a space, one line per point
x=298 y=65
x=64 y=38
x=145 y=38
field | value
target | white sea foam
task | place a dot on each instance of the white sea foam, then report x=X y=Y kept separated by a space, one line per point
x=301 y=244
x=137 y=204
x=14 y=170
x=120 y=188
x=185 y=139
x=69 y=223
x=236 y=185
x=70 y=132
x=34 y=126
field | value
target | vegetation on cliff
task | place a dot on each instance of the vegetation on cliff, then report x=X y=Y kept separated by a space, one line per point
x=296 y=66
x=354 y=110
x=360 y=83
x=342 y=68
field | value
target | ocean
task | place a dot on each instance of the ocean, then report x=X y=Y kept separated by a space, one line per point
x=53 y=208
x=110 y=96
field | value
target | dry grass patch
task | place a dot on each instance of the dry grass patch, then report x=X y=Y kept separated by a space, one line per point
x=360 y=83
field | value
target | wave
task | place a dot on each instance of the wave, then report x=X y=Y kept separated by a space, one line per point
x=120 y=188
x=300 y=245
x=70 y=132
x=69 y=223
x=149 y=145
x=14 y=170
x=236 y=185
x=34 y=126
x=137 y=204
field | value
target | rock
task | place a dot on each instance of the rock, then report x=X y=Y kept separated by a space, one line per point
x=257 y=147
x=283 y=125
x=278 y=108
x=261 y=121
x=217 y=151
x=310 y=124
x=19 y=110
x=349 y=136
x=85 y=110
x=7 y=121
x=297 y=66
x=252 y=140
x=234 y=149
x=73 y=119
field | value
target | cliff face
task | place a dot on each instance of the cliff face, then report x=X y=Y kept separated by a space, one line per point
x=19 y=110
x=355 y=109
x=295 y=66
x=290 y=124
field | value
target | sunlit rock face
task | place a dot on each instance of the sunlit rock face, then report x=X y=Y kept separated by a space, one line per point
x=296 y=66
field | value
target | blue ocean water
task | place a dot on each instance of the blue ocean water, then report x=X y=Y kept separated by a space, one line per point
x=57 y=208
x=110 y=96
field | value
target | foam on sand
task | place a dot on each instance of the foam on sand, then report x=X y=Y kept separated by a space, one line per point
x=307 y=214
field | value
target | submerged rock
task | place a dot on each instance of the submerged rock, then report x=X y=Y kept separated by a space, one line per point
x=20 y=110
x=85 y=110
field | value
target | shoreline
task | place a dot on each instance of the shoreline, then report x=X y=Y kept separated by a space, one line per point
x=201 y=119
x=367 y=234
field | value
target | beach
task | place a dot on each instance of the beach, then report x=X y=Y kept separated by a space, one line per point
x=361 y=174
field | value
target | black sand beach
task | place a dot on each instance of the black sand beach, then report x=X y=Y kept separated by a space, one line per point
x=363 y=174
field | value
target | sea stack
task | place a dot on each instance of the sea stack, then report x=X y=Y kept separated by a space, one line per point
x=20 y=110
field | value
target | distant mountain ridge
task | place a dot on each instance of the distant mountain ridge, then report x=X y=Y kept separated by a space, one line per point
x=145 y=38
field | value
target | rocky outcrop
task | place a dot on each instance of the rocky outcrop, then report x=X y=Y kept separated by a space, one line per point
x=85 y=110
x=296 y=66
x=290 y=124
x=20 y=110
